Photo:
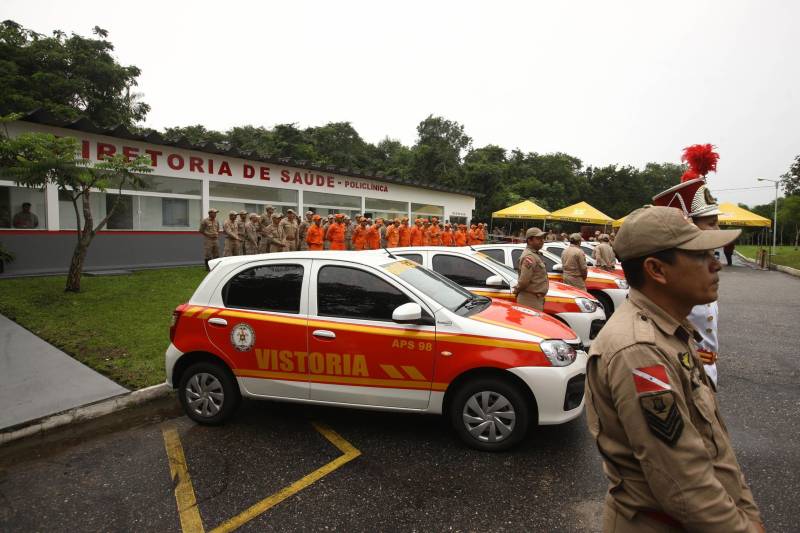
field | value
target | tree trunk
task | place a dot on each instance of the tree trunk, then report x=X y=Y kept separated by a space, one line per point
x=85 y=236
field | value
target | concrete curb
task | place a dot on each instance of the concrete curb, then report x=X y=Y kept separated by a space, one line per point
x=84 y=412
x=780 y=268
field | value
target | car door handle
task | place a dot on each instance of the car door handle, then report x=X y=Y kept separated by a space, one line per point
x=323 y=334
x=217 y=321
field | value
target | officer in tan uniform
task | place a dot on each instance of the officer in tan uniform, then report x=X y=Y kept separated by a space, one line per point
x=302 y=230
x=240 y=222
x=209 y=227
x=291 y=230
x=232 y=242
x=649 y=403
x=274 y=235
x=573 y=262
x=604 y=254
x=533 y=283
x=251 y=235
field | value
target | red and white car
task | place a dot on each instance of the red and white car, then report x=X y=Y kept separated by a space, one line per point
x=557 y=248
x=373 y=331
x=481 y=274
x=610 y=288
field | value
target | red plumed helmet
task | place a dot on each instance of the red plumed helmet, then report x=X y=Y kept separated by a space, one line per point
x=689 y=175
x=701 y=158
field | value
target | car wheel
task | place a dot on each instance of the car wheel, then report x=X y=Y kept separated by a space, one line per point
x=608 y=305
x=490 y=414
x=208 y=393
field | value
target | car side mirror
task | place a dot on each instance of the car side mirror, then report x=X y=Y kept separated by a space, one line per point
x=558 y=268
x=494 y=281
x=407 y=313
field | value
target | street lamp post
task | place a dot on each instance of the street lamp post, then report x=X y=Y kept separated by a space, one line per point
x=775 y=217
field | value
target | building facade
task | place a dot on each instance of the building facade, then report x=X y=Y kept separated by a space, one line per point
x=158 y=225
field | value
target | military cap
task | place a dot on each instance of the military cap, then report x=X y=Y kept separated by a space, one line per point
x=253 y=215
x=309 y=212
x=339 y=215
x=277 y=214
x=316 y=217
x=653 y=229
x=242 y=212
x=269 y=207
x=534 y=232
x=604 y=237
x=290 y=211
x=212 y=210
x=233 y=214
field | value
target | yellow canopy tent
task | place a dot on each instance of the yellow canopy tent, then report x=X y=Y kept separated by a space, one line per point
x=733 y=215
x=581 y=212
x=525 y=210
x=617 y=223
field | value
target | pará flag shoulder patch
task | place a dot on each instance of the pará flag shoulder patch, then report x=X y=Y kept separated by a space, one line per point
x=528 y=261
x=658 y=403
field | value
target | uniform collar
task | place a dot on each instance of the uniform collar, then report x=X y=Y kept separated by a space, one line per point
x=661 y=318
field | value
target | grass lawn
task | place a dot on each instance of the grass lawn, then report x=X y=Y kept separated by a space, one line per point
x=118 y=325
x=784 y=255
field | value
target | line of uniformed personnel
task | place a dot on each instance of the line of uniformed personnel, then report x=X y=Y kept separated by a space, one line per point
x=273 y=232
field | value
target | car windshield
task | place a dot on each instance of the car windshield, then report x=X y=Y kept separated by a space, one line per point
x=434 y=285
x=507 y=270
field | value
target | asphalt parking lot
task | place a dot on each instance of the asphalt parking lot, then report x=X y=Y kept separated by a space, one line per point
x=290 y=467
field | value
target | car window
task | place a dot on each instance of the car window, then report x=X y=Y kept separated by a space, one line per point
x=461 y=270
x=433 y=285
x=353 y=293
x=556 y=250
x=417 y=258
x=515 y=255
x=267 y=288
x=548 y=263
x=588 y=250
x=496 y=254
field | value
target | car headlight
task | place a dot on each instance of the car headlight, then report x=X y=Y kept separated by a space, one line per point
x=586 y=305
x=622 y=283
x=559 y=353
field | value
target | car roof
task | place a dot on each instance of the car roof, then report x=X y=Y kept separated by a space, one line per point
x=371 y=257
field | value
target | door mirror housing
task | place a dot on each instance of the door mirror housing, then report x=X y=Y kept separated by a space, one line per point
x=494 y=281
x=408 y=313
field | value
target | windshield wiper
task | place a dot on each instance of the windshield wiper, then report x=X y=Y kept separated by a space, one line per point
x=465 y=303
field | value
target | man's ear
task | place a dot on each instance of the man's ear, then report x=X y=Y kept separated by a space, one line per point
x=655 y=269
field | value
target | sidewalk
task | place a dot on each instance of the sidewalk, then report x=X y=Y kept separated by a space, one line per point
x=37 y=379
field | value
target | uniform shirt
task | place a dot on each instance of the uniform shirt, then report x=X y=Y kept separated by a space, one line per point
x=460 y=238
x=335 y=234
x=416 y=236
x=360 y=237
x=209 y=228
x=447 y=238
x=392 y=236
x=314 y=237
x=290 y=230
x=604 y=256
x=251 y=233
x=532 y=273
x=704 y=319
x=240 y=228
x=435 y=236
x=275 y=238
x=373 y=238
x=405 y=235
x=25 y=220
x=656 y=422
x=231 y=230
x=573 y=261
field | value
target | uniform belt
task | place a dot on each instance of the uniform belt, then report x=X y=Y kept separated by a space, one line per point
x=708 y=358
x=664 y=518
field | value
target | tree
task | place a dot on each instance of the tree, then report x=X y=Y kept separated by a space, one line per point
x=789 y=216
x=437 y=153
x=486 y=172
x=36 y=159
x=71 y=77
x=791 y=180
x=197 y=134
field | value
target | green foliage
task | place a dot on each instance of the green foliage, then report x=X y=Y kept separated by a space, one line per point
x=791 y=180
x=69 y=76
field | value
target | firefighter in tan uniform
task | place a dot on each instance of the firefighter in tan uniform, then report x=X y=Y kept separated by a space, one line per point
x=573 y=262
x=604 y=254
x=666 y=452
x=302 y=230
x=533 y=283
x=291 y=231
x=274 y=235
x=232 y=242
x=209 y=227
x=251 y=230
x=240 y=222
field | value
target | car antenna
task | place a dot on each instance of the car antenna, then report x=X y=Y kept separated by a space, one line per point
x=471 y=248
x=390 y=253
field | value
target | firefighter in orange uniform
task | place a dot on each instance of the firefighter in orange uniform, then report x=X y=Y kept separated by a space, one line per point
x=416 y=233
x=472 y=235
x=314 y=234
x=374 y=235
x=481 y=234
x=393 y=234
x=405 y=233
x=460 y=236
x=435 y=233
x=336 y=233
x=447 y=236
x=360 y=234
x=426 y=228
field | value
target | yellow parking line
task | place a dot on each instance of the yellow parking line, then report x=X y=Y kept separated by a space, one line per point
x=349 y=453
x=184 y=492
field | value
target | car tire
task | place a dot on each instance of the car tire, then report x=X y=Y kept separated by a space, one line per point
x=208 y=393
x=605 y=300
x=498 y=428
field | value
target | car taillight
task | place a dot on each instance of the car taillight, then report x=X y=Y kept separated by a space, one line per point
x=173 y=325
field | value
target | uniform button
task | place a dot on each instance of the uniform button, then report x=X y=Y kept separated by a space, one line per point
x=643 y=318
x=708 y=330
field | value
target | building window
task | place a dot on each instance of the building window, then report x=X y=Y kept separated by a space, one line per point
x=386 y=209
x=426 y=211
x=123 y=214
x=175 y=212
x=22 y=208
x=135 y=212
x=261 y=195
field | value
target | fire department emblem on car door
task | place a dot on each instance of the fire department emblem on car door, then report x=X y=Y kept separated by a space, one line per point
x=243 y=337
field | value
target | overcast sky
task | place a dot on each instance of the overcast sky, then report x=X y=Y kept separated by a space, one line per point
x=608 y=82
